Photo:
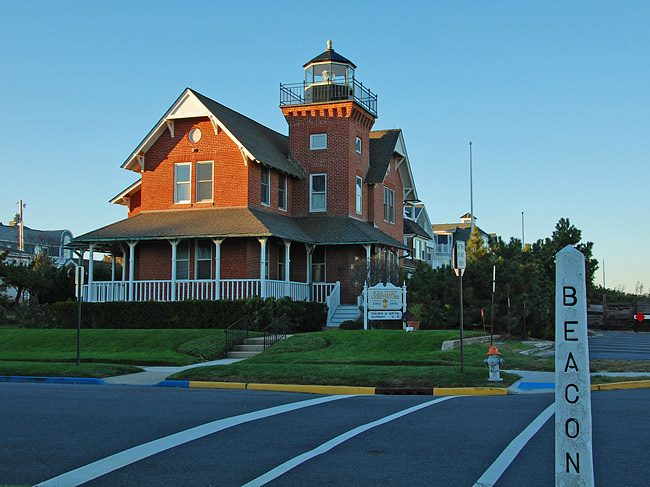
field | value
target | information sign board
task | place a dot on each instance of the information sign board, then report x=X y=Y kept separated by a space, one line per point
x=384 y=315
x=385 y=297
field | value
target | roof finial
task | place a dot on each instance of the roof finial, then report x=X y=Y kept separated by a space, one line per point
x=329 y=45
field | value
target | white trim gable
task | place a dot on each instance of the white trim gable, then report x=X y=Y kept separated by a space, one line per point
x=124 y=197
x=186 y=106
x=403 y=165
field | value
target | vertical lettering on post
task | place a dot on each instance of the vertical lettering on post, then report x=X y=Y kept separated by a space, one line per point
x=573 y=444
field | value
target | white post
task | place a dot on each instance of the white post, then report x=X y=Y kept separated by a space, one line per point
x=367 y=247
x=174 y=244
x=91 y=294
x=310 y=251
x=262 y=241
x=365 y=305
x=217 y=267
x=287 y=266
x=131 y=267
x=112 y=266
x=573 y=438
x=125 y=259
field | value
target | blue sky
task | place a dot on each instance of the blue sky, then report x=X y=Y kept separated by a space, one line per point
x=554 y=96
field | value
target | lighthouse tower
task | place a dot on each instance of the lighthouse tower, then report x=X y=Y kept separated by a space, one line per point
x=330 y=115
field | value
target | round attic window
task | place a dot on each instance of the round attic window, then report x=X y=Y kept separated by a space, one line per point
x=194 y=136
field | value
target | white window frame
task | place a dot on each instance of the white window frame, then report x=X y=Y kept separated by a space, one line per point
x=282 y=192
x=209 y=259
x=179 y=275
x=312 y=193
x=177 y=183
x=199 y=181
x=318 y=141
x=265 y=189
x=358 y=145
x=359 y=194
x=389 y=205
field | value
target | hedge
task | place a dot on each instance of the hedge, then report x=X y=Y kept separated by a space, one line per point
x=302 y=316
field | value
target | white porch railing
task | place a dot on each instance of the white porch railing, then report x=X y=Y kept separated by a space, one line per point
x=103 y=291
x=333 y=301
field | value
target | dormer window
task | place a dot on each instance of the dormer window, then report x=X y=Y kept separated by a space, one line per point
x=318 y=141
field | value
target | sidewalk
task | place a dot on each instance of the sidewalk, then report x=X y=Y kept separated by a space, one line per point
x=153 y=375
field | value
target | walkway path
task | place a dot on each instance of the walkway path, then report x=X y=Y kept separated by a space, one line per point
x=152 y=375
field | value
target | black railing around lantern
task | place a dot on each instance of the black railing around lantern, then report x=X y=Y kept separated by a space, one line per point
x=324 y=92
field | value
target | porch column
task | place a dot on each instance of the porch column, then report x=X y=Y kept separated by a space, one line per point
x=132 y=245
x=367 y=247
x=310 y=251
x=174 y=244
x=262 y=241
x=112 y=266
x=125 y=259
x=217 y=267
x=91 y=294
x=287 y=266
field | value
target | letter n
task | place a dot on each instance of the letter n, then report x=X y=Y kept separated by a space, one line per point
x=569 y=461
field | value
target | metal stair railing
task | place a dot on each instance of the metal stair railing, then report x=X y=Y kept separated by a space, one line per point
x=275 y=332
x=237 y=333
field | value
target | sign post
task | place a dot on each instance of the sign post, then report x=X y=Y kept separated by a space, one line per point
x=79 y=278
x=460 y=262
x=573 y=438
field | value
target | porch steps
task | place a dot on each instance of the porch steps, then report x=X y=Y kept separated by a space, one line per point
x=249 y=348
x=344 y=312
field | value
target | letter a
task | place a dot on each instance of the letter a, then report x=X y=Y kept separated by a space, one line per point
x=571 y=360
x=570 y=298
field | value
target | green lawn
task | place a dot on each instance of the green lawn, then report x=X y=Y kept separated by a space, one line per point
x=55 y=369
x=384 y=358
x=135 y=347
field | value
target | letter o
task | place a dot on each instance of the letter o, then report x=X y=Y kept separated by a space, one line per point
x=577 y=427
x=566 y=394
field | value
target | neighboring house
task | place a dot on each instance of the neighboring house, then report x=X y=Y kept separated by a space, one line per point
x=227 y=208
x=52 y=242
x=446 y=235
x=419 y=243
x=418 y=213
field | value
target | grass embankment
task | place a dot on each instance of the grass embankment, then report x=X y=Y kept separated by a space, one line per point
x=104 y=353
x=383 y=358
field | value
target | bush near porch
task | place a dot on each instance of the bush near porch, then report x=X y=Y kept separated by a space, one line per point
x=302 y=316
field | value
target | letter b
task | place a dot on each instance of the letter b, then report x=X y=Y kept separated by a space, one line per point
x=570 y=298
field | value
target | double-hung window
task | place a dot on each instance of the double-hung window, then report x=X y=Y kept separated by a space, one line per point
x=182 y=182
x=389 y=205
x=183 y=260
x=359 y=192
x=318 y=192
x=203 y=259
x=318 y=141
x=204 y=181
x=282 y=192
x=318 y=264
x=266 y=186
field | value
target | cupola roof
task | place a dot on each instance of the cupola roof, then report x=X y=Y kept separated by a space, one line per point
x=330 y=56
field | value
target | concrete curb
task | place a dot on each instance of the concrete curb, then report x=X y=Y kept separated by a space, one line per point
x=51 y=380
x=633 y=384
x=341 y=390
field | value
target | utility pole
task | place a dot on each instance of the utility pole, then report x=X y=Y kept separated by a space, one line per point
x=471 y=192
x=523 y=240
x=21 y=232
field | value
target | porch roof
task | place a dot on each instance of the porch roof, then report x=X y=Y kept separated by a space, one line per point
x=234 y=222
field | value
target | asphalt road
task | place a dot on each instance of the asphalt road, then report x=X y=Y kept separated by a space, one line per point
x=620 y=345
x=238 y=438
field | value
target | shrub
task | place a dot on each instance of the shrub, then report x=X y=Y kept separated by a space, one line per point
x=302 y=316
x=351 y=325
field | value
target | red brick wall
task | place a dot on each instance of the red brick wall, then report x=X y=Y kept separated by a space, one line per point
x=229 y=167
x=135 y=203
x=342 y=122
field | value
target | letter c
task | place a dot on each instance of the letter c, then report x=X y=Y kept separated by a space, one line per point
x=576 y=397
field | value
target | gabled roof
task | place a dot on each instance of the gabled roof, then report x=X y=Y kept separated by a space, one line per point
x=255 y=141
x=128 y=192
x=412 y=227
x=235 y=222
x=383 y=145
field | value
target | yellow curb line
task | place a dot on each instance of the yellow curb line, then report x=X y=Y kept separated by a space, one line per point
x=633 y=384
x=312 y=389
x=469 y=391
x=319 y=389
x=217 y=385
